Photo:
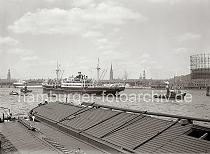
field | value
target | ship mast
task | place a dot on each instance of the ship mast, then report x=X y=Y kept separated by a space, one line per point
x=57 y=73
x=98 y=71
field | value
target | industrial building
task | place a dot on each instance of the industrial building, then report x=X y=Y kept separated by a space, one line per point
x=199 y=76
x=200 y=66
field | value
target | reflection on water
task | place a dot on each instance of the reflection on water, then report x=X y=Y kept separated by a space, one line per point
x=199 y=106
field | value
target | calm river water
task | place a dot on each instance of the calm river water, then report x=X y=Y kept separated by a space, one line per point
x=140 y=99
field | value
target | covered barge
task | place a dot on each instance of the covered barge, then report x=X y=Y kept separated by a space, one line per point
x=94 y=129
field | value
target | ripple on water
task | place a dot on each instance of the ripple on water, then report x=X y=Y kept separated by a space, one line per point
x=199 y=106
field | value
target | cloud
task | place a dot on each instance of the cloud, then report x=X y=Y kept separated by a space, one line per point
x=144 y=58
x=114 y=54
x=98 y=21
x=93 y=34
x=75 y=20
x=83 y=60
x=165 y=1
x=7 y=41
x=29 y=58
x=75 y=3
x=180 y=50
x=188 y=37
x=171 y=2
x=82 y=3
x=9 y=46
x=145 y=55
x=19 y=51
x=23 y=55
x=50 y=1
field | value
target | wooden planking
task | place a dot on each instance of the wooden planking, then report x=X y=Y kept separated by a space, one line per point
x=111 y=124
x=6 y=145
x=23 y=141
x=138 y=132
x=88 y=118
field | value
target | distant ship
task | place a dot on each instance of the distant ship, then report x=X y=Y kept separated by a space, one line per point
x=172 y=94
x=19 y=84
x=80 y=84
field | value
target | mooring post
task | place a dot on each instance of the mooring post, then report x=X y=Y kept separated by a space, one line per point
x=208 y=91
x=3 y=117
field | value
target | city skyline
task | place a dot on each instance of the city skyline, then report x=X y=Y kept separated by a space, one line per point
x=153 y=35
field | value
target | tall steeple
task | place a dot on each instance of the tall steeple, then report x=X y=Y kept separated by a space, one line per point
x=98 y=71
x=144 y=74
x=111 y=74
x=8 y=75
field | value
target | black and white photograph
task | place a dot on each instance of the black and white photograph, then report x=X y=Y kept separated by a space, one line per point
x=104 y=76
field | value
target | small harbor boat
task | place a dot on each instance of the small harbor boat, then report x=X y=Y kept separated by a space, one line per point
x=19 y=84
x=25 y=90
x=51 y=95
x=171 y=96
x=13 y=93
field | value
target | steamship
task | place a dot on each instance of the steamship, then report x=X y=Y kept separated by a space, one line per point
x=81 y=84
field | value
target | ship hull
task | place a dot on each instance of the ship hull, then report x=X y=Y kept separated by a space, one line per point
x=82 y=90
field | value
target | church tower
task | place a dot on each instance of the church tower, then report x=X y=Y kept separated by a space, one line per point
x=144 y=74
x=8 y=75
x=111 y=74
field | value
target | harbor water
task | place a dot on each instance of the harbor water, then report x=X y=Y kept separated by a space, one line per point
x=198 y=106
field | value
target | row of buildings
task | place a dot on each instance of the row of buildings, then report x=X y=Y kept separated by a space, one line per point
x=198 y=78
x=8 y=81
x=200 y=73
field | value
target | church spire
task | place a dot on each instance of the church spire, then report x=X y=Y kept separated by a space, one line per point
x=111 y=73
x=8 y=75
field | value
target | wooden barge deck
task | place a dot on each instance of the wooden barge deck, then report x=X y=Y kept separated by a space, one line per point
x=95 y=129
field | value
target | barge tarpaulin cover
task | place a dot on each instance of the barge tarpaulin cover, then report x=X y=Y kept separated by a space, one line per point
x=125 y=132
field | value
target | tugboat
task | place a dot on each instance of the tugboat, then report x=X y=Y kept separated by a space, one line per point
x=25 y=90
x=80 y=84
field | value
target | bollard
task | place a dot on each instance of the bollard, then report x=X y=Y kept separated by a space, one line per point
x=208 y=91
x=33 y=118
x=3 y=118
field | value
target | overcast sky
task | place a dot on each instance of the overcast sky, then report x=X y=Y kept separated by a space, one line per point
x=133 y=35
